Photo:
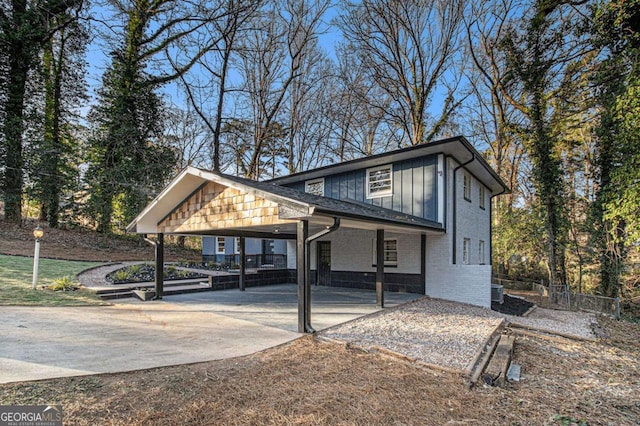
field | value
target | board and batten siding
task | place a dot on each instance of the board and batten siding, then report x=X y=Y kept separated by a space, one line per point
x=415 y=189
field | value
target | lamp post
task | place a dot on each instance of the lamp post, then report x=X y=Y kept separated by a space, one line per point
x=37 y=233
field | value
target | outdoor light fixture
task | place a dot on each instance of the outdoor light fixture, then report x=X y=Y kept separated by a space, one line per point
x=37 y=233
x=276 y=230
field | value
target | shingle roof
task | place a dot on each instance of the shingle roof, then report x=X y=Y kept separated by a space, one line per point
x=333 y=207
x=457 y=147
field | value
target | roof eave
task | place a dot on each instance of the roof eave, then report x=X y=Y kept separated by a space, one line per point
x=399 y=223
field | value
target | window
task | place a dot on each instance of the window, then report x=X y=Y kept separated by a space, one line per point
x=481 y=252
x=379 y=181
x=220 y=245
x=466 y=245
x=390 y=252
x=314 y=186
x=237 y=243
x=481 y=197
x=467 y=187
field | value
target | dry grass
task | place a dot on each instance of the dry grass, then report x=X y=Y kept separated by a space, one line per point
x=314 y=382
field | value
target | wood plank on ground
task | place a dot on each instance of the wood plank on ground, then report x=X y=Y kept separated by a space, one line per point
x=496 y=372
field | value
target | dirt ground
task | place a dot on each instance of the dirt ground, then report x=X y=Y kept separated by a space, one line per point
x=314 y=382
x=77 y=244
x=311 y=381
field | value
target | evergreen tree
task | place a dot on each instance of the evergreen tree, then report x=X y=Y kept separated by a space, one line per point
x=544 y=61
x=127 y=162
x=616 y=29
x=55 y=153
x=24 y=29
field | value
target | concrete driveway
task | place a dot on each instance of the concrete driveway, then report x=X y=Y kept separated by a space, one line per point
x=46 y=342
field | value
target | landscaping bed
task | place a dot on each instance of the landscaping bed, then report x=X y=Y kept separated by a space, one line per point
x=512 y=306
x=144 y=272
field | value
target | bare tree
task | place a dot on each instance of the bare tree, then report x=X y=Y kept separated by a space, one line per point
x=128 y=159
x=189 y=137
x=357 y=110
x=207 y=85
x=408 y=48
x=493 y=120
x=309 y=123
x=273 y=59
x=306 y=121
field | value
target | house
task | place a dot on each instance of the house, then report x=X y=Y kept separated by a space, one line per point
x=416 y=219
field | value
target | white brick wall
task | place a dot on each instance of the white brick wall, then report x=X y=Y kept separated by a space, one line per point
x=352 y=250
x=464 y=283
x=472 y=221
x=461 y=283
x=291 y=254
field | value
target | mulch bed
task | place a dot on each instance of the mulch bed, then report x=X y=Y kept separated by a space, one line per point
x=146 y=273
x=512 y=306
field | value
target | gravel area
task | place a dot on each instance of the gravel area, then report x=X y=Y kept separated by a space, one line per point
x=447 y=334
x=565 y=322
x=438 y=332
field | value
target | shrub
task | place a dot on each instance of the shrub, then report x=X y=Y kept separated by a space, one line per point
x=135 y=269
x=65 y=283
x=121 y=275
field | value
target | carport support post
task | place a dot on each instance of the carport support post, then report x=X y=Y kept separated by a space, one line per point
x=242 y=265
x=159 y=265
x=302 y=278
x=380 y=268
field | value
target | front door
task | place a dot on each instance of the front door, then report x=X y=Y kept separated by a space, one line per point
x=324 y=263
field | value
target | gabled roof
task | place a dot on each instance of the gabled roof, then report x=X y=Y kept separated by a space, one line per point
x=293 y=204
x=332 y=207
x=457 y=147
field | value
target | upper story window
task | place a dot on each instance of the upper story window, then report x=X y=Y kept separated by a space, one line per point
x=315 y=186
x=220 y=245
x=467 y=187
x=466 y=246
x=481 y=196
x=380 y=181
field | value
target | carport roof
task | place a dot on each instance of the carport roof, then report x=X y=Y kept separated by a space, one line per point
x=293 y=204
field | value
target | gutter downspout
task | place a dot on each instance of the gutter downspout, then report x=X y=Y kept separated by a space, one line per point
x=455 y=209
x=307 y=271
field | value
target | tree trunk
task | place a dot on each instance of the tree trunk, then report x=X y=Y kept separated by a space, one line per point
x=12 y=184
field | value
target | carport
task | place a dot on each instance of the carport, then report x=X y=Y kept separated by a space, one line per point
x=199 y=202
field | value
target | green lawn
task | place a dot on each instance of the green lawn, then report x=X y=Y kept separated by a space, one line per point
x=16 y=277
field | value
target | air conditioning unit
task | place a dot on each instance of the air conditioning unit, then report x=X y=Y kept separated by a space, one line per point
x=497 y=293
